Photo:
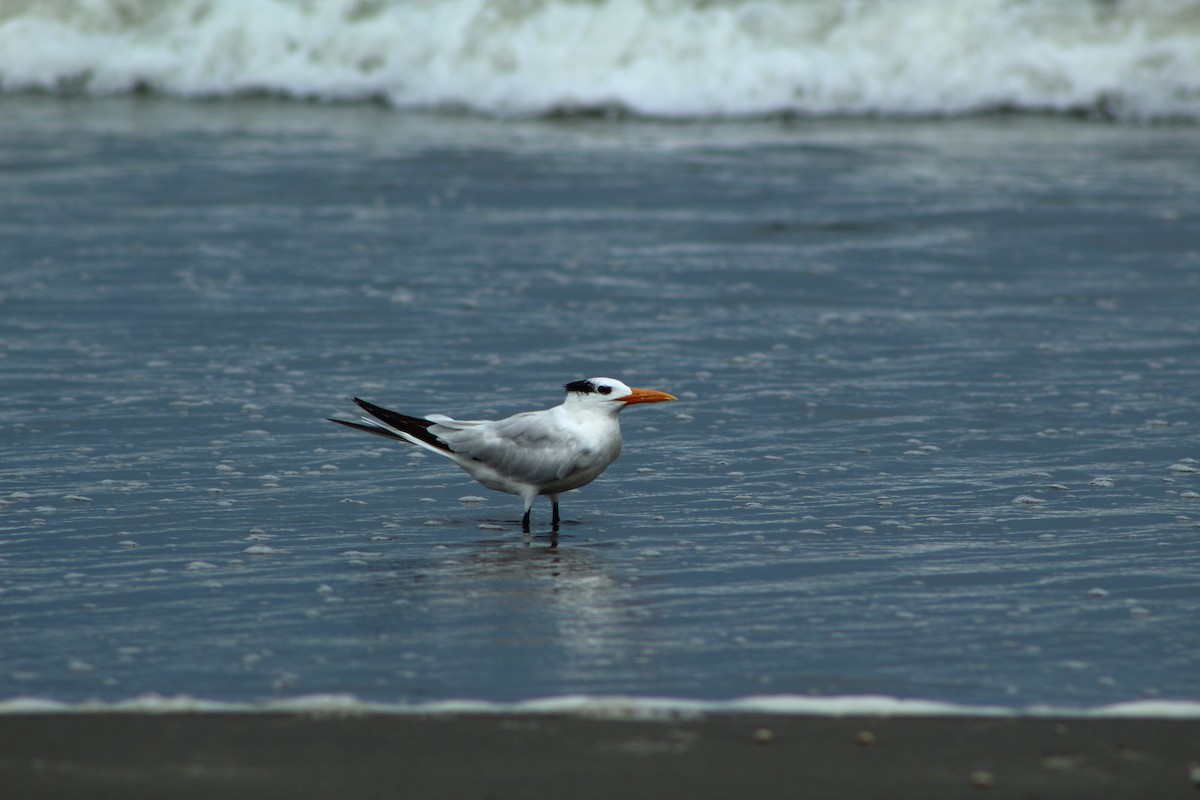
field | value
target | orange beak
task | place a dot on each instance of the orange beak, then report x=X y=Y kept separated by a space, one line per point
x=647 y=396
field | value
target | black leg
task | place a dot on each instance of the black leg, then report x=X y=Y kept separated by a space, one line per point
x=525 y=521
x=554 y=518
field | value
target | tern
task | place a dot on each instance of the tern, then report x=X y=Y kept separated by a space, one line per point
x=529 y=454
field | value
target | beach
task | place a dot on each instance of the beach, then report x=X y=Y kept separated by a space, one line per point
x=544 y=756
x=923 y=278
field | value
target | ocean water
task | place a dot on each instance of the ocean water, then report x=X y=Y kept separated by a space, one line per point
x=938 y=435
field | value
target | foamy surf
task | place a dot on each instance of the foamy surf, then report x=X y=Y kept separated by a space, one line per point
x=599 y=707
x=662 y=58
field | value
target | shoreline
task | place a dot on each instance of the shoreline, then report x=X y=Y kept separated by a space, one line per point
x=540 y=755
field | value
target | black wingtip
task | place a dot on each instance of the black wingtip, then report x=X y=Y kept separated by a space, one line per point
x=413 y=426
x=373 y=409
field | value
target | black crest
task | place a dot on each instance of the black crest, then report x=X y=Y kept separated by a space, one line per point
x=583 y=387
x=588 y=387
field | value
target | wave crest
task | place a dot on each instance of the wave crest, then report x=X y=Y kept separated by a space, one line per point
x=1137 y=59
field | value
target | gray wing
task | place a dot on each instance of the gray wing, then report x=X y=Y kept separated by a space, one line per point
x=533 y=447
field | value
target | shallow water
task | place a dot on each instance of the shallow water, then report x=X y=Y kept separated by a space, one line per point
x=936 y=437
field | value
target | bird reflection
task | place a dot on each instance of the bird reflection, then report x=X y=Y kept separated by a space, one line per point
x=501 y=587
x=571 y=586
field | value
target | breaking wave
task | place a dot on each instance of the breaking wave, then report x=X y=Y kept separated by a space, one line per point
x=1125 y=59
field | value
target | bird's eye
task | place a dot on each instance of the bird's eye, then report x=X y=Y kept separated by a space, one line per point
x=604 y=389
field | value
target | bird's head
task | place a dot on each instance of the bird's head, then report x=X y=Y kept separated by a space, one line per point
x=611 y=393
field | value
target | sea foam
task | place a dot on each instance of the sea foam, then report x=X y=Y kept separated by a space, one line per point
x=1138 y=59
x=606 y=707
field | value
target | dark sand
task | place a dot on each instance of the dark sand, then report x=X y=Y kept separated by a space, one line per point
x=548 y=756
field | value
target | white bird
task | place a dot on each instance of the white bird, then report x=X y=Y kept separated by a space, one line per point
x=529 y=454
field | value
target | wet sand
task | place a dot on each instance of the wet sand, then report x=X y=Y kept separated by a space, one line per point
x=550 y=756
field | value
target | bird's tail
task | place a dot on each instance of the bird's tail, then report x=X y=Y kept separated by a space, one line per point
x=395 y=426
x=378 y=430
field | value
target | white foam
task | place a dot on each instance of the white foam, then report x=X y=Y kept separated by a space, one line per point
x=675 y=58
x=611 y=707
